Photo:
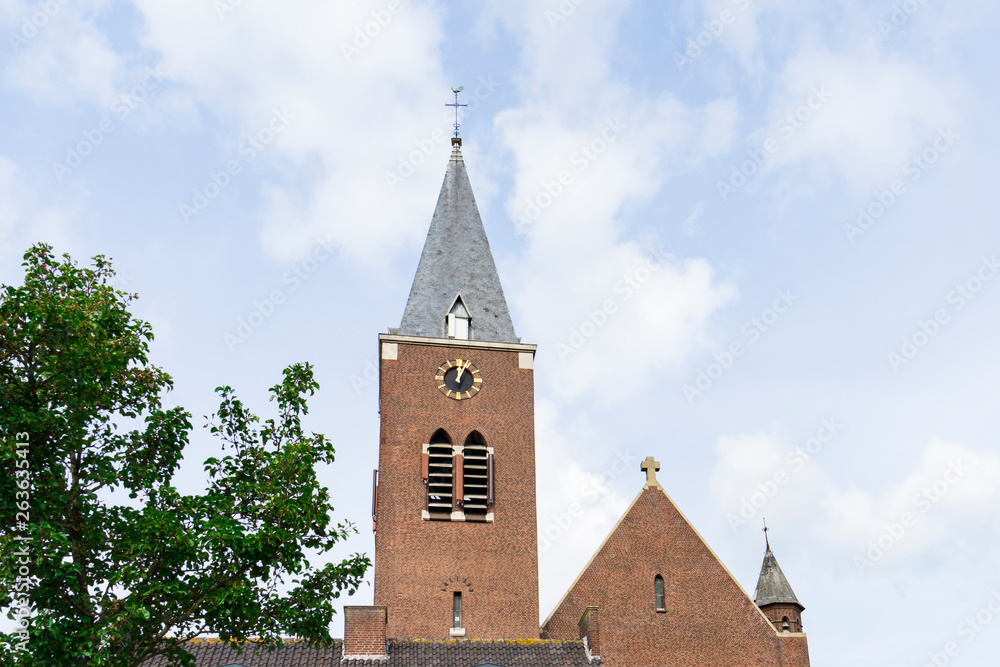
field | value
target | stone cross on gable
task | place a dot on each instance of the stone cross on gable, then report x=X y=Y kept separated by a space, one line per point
x=651 y=466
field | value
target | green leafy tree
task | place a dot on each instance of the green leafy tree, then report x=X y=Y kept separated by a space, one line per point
x=122 y=566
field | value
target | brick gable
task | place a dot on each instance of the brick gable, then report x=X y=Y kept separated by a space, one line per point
x=709 y=618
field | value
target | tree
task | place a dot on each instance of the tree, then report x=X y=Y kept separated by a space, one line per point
x=116 y=563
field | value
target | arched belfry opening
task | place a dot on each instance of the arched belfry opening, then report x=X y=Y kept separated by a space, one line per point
x=477 y=476
x=439 y=473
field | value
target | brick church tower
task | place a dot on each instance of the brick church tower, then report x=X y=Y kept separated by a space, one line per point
x=456 y=548
x=456 y=537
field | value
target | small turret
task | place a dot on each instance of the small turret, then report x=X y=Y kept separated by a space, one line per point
x=776 y=598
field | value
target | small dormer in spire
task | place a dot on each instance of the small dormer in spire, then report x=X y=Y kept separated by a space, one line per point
x=456 y=268
x=459 y=322
x=775 y=597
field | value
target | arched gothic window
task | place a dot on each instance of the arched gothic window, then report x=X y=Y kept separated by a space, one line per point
x=661 y=603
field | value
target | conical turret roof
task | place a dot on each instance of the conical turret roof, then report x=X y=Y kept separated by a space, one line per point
x=457 y=262
x=772 y=586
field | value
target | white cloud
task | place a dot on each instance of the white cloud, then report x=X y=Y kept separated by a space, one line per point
x=585 y=147
x=25 y=221
x=948 y=496
x=578 y=501
x=59 y=55
x=869 y=114
x=337 y=68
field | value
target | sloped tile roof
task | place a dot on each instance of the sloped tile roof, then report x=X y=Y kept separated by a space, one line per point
x=402 y=653
x=523 y=653
x=772 y=586
x=295 y=653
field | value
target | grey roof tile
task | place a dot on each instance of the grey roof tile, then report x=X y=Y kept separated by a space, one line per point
x=456 y=260
x=772 y=586
x=402 y=653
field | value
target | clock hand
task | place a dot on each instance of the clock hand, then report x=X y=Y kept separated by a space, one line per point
x=461 y=369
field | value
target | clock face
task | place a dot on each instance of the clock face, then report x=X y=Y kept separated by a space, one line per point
x=459 y=379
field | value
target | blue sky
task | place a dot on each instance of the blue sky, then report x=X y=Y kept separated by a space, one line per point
x=756 y=239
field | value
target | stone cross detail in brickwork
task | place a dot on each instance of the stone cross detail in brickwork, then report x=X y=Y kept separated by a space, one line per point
x=651 y=466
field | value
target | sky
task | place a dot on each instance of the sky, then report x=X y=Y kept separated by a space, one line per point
x=756 y=239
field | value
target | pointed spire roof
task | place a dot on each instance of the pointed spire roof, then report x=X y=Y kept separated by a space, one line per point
x=772 y=587
x=457 y=262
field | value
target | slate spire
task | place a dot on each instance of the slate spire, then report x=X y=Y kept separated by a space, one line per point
x=772 y=586
x=456 y=263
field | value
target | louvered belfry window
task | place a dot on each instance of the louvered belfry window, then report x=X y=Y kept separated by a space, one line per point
x=459 y=479
x=440 y=473
x=476 y=475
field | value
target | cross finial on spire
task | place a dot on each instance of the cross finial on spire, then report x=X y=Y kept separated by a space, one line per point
x=766 y=542
x=650 y=466
x=455 y=104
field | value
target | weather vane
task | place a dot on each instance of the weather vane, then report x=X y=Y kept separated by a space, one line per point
x=456 y=105
x=766 y=542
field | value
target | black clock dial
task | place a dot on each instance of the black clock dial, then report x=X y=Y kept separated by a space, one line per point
x=458 y=379
x=458 y=382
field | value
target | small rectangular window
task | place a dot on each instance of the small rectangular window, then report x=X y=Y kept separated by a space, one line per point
x=457 y=610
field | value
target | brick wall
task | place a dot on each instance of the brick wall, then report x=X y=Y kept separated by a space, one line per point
x=590 y=629
x=709 y=619
x=776 y=612
x=420 y=564
x=364 y=631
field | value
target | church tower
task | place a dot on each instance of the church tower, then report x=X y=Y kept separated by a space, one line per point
x=775 y=597
x=456 y=545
